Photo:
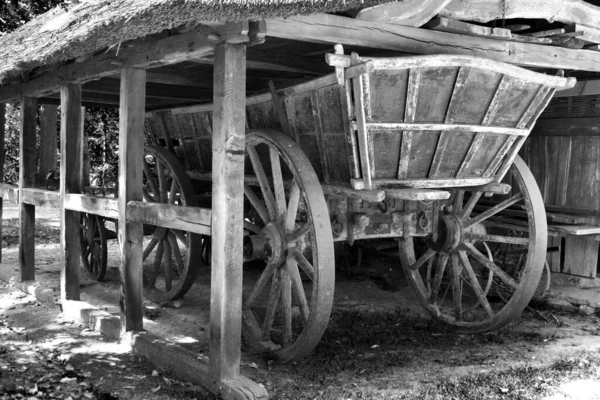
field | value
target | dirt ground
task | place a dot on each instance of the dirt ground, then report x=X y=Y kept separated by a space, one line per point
x=379 y=344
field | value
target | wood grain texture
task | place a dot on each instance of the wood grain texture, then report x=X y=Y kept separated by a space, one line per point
x=581 y=256
x=48 y=142
x=71 y=169
x=27 y=179
x=408 y=13
x=131 y=145
x=227 y=210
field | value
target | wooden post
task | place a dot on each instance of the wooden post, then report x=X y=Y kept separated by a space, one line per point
x=131 y=153
x=85 y=179
x=70 y=182
x=2 y=133
x=27 y=179
x=227 y=209
x=48 y=143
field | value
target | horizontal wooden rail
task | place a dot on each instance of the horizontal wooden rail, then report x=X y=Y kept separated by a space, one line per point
x=402 y=126
x=41 y=197
x=373 y=196
x=9 y=192
x=425 y=183
x=417 y=194
x=105 y=207
x=190 y=219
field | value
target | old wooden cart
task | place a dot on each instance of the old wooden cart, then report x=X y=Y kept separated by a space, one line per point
x=421 y=149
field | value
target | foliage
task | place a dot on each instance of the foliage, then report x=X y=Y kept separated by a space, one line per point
x=14 y=13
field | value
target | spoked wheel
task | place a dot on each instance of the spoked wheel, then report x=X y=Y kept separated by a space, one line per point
x=289 y=290
x=92 y=236
x=482 y=266
x=171 y=257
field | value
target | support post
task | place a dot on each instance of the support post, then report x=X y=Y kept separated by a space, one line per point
x=27 y=179
x=2 y=138
x=131 y=153
x=227 y=209
x=85 y=179
x=48 y=143
x=70 y=182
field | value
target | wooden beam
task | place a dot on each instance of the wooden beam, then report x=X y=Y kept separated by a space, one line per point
x=190 y=219
x=153 y=90
x=48 y=142
x=581 y=88
x=41 y=197
x=70 y=182
x=85 y=174
x=2 y=159
x=408 y=13
x=333 y=29
x=27 y=179
x=227 y=210
x=102 y=206
x=577 y=11
x=131 y=145
x=567 y=127
x=10 y=192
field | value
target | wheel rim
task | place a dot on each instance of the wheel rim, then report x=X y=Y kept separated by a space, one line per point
x=92 y=236
x=286 y=310
x=171 y=257
x=452 y=273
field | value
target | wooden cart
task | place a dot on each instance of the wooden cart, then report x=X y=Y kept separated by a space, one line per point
x=421 y=149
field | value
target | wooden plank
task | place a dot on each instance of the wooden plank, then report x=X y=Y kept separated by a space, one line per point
x=227 y=210
x=564 y=164
x=567 y=127
x=27 y=179
x=412 y=96
x=48 y=142
x=131 y=145
x=408 y=13
x=430 y=183
x=2 y=159
x=578 y=230
x=190 y=219
x=362 y=132
x=71 y=169
x=549 y=32
x=9 y=192
x=41 y=197
x=584 y=33
x=102 y=206
x=421 y=126
x=454 y=26
x=581 y=88
x=85 y=175
x=417 y=194
x=316 y=113
x=333 y=29
x=581 y=256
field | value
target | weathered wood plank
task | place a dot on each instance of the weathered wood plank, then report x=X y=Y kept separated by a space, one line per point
x=71 y=169
x=581 y=256
x=190 y=219
x=48 y=142
x=412 y=96
x=227 y=209
x=425 y=183
x=408 y=13
x=41 y=197
x=421 y=126
x=454 y=26
x=105 y=207
x=417 y=194
x=578 y=230
x=362 y=132
x=27 y=179
x=326 y=28
x=131 y=145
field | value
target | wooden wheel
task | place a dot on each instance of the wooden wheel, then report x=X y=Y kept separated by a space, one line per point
x=288 y=299
x=92 y=236
x=480 y=269
x=171 y=257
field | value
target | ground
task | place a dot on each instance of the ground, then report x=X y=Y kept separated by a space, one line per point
x=379 y=345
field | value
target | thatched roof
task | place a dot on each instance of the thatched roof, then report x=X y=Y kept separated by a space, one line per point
x=64 y=34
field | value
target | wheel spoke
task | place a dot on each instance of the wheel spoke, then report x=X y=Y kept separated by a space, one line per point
x=439 y=274
x=176 y=253
x=299 y=293
x=458 y=201
x=303 y=263
x=250 y=227
x=292 y=209
x=260 y=284
x=468 y=208
x=475 y=283
x=181 y=236
x=168 y=269
x=150 y=179
x=286 y=307
x=271 y=305
x=497 y=238
x=257 y=203
x=147 y=196
x=456 y=287
x=491 y=266
x=278 y=186
x=426 y=256
x=162 y=181
x=263 y=181
x=149 y=248
x=157 y=261
x=298 y=234
x=173 y=192
x=494 y=210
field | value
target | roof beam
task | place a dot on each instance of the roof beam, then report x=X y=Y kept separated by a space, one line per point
x=153 y=90
x=333 y=29
x=144 y=53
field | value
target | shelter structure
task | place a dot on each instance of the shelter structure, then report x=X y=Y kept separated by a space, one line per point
x=149 y=56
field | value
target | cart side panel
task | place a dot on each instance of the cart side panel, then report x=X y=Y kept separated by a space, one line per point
x=203 y=127
x=435 y=90
x=190 y=143
x=388 y=105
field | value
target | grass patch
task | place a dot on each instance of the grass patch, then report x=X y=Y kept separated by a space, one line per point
x=45 y=233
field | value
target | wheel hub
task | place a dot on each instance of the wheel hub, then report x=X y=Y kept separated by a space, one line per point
x=269 y=245
x=450 y=234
